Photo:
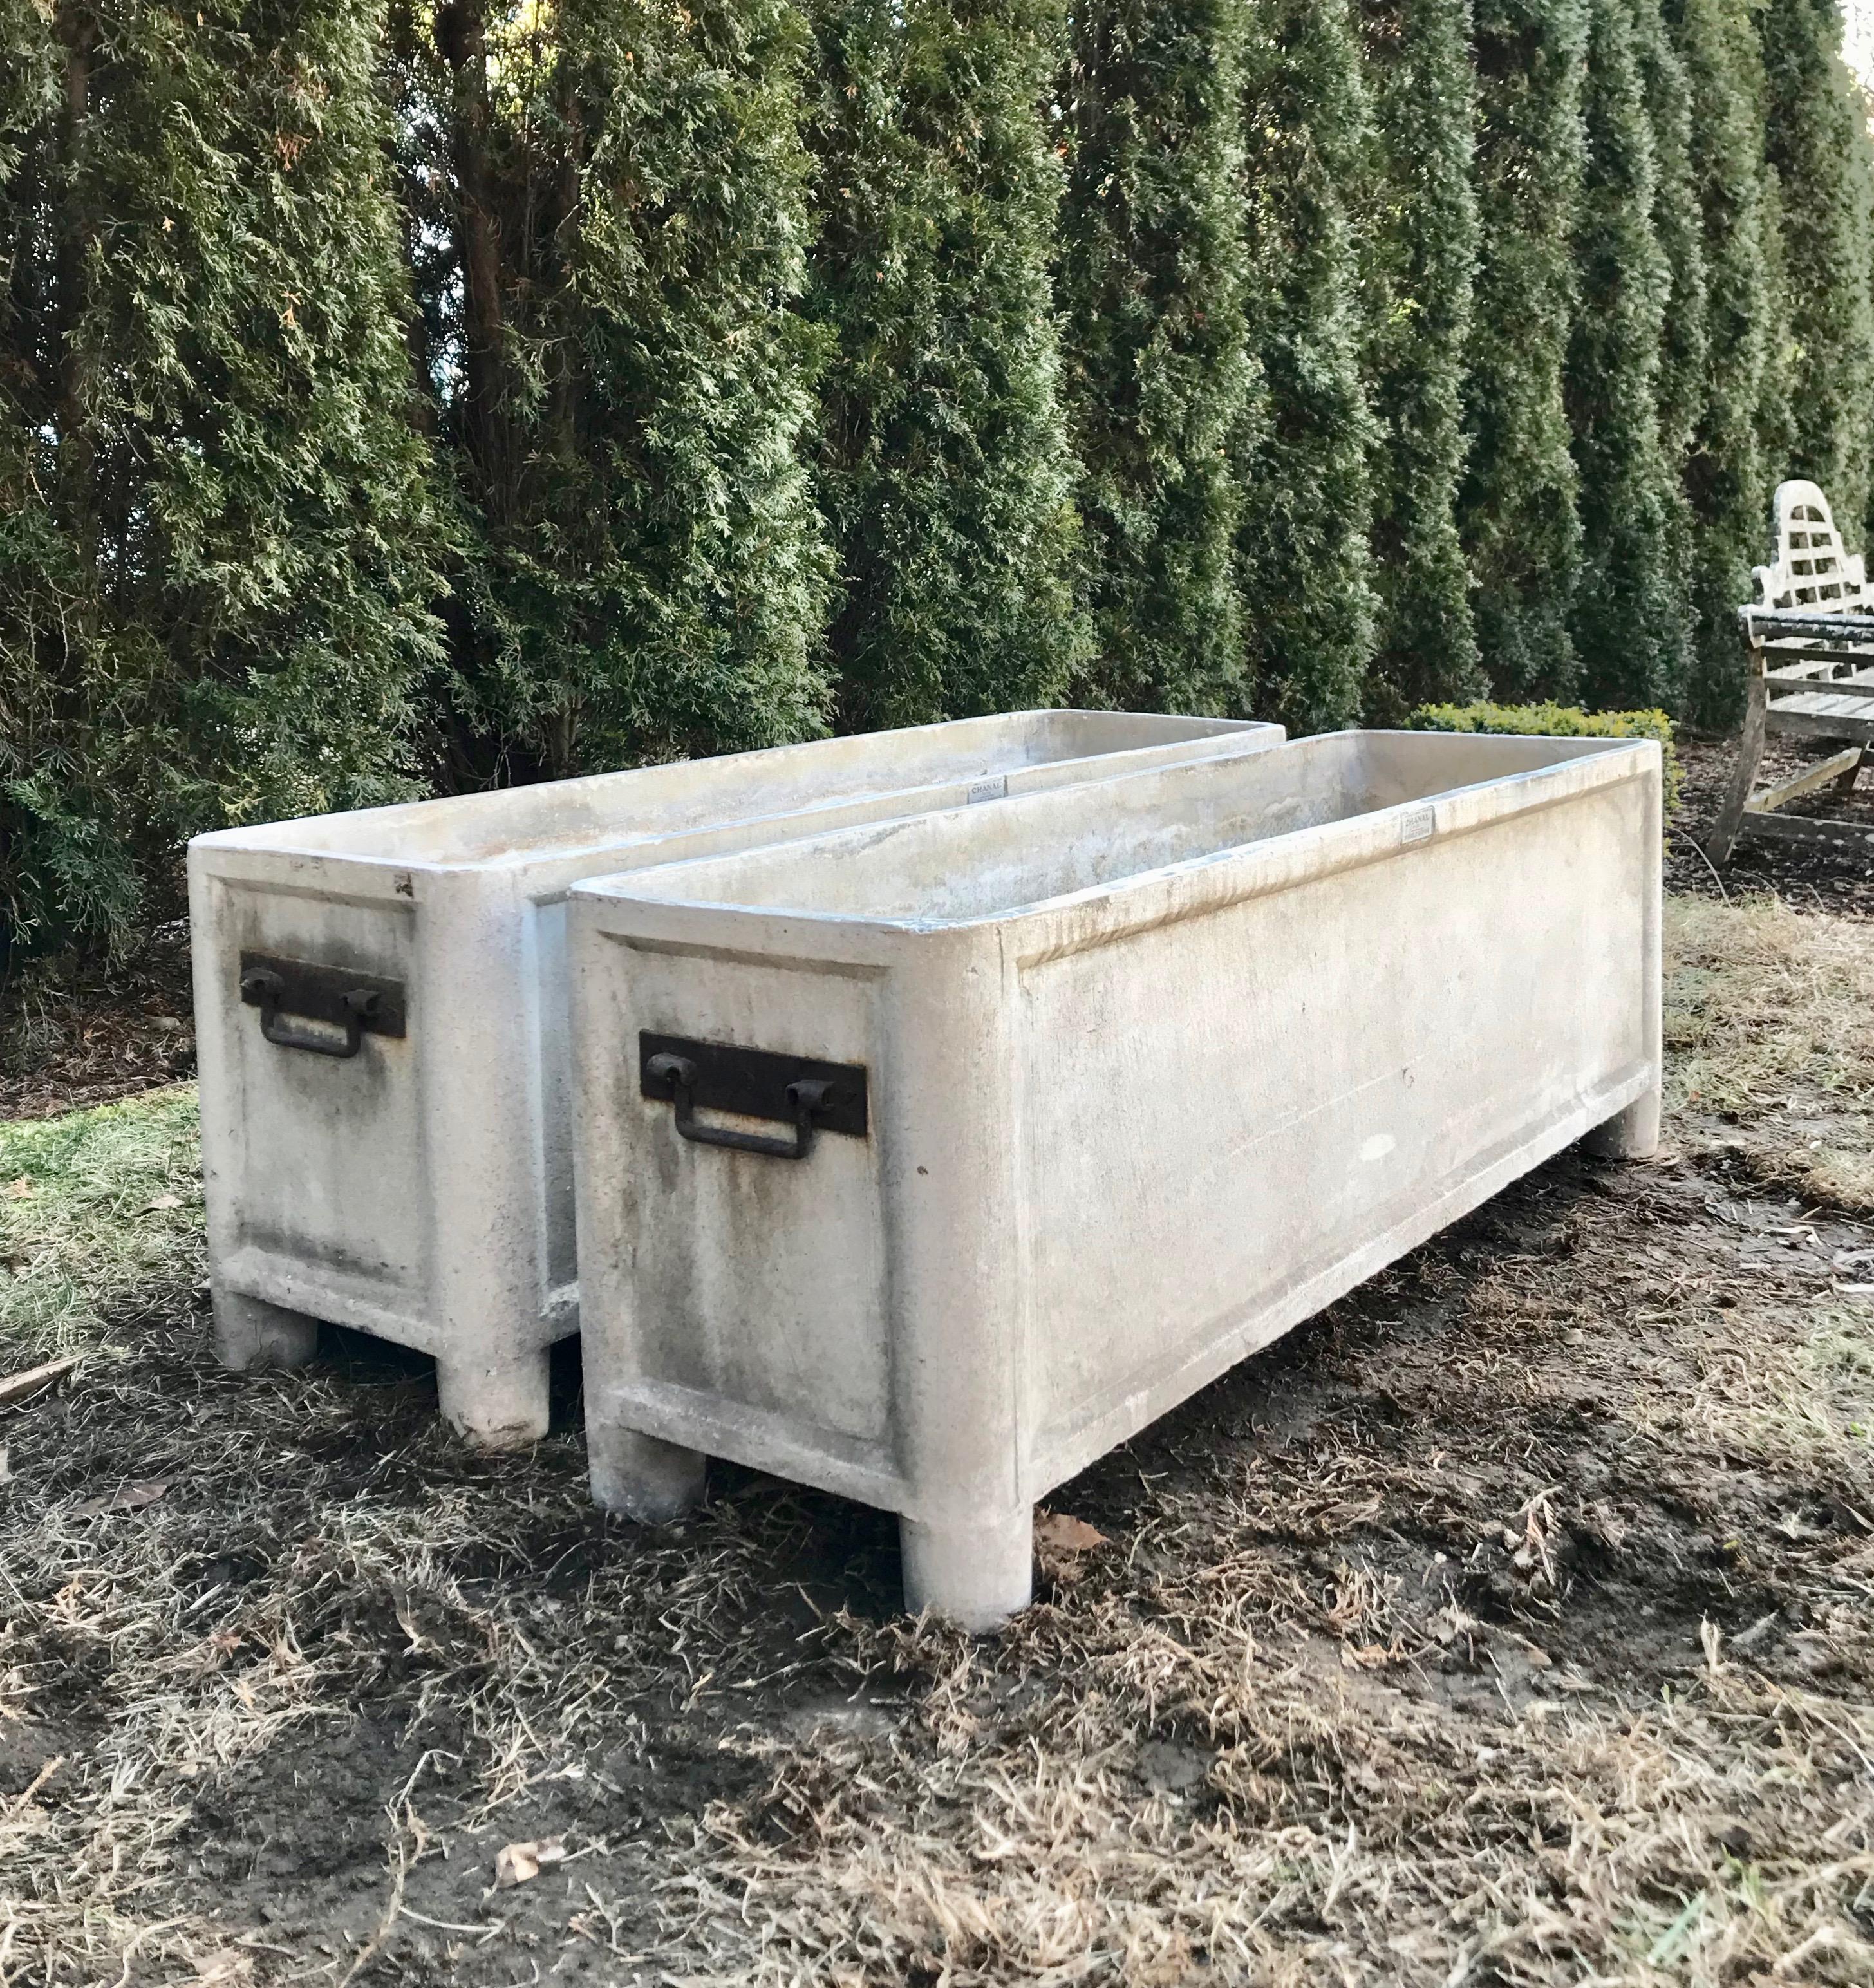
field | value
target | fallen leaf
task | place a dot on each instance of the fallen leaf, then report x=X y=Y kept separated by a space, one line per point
x=125 y=1498
x=1058 y=1533
x=162 y=1202
x=516 y=1863
x=18 y=1190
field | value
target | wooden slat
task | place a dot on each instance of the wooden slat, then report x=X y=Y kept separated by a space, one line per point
x=1799 y=829
x=1843 y=687
x=1809 y=725
x=1823 y=774
x=1823 y=703
x=1769 y=624
x=1818 y=669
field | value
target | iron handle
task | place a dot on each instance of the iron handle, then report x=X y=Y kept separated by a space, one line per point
x=292 y=994
x=806 y=1096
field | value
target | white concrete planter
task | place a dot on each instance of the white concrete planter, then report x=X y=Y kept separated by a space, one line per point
x=1125 y=1081
x=420 y=1186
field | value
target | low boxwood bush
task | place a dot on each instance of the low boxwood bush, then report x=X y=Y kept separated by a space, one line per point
x=1557 y=721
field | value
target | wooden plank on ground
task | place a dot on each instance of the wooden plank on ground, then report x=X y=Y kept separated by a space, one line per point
x=1846 y=835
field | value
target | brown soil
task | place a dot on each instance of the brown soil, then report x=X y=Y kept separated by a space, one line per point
x=73 y=1033
x=1514 y=1603
x=1820 y=879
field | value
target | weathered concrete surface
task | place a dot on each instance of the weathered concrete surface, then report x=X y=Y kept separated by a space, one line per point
x=421 y=1189
x=1157 y=1067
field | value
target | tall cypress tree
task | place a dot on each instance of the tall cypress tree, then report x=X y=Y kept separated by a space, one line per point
x=1308 y=604
x=619 y=192
x=1150 y=281
x=1422 y=255
x=1627 y=621
x=1677 y=226
x=1726 y=477
x=214 y=536
x=1518 y=507
x=943 y=460
x=1815 y=145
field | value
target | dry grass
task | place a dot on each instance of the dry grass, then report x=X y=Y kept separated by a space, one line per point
x=1770 y=1015
x=98 y=1209
x=1511 y=1624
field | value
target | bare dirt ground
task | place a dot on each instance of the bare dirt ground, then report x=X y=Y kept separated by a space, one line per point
x=72 y=1034
x=1513 y=1622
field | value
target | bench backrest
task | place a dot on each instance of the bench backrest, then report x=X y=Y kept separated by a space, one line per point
x=1809 y=569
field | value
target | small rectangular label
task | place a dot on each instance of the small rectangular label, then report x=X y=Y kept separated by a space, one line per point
x=992 y=789
x=1417 y=823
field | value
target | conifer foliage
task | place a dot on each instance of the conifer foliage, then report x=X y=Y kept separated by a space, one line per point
x=1726 y=474
x=1301 y=460
x=943 y=457
x=414 y=395
x=1627 y=623
x=1520 y=524
x=622 y=389
x=214 y=538
x=1421 y=254
x=1816 y=145
x=1149 y=282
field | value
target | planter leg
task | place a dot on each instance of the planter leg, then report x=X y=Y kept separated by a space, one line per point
x=639 y=1476
x=250 y=1334
x=500 y=1406
x=975 y=1574
x=1631 y=1135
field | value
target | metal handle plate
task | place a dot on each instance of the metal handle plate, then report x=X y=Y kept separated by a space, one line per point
x=326 y=1010
x=811 y=1096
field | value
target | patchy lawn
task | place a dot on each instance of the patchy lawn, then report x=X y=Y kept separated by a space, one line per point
x=1512 y=1622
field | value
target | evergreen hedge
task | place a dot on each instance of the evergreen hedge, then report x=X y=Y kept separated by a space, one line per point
x=396 y=399
x=1816 y=145
x=941 y=452
x=1726 y=470
x=1422 y=263
x=1149 y=283
x=1522 y=530
x=1628 y=620
x=1302 y=455
x=217 y=541
x=621 y=386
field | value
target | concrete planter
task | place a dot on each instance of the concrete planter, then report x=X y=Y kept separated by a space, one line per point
x=380 y=1018
x=1100 y=1090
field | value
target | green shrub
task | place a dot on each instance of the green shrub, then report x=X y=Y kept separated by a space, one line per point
x=1557 y=721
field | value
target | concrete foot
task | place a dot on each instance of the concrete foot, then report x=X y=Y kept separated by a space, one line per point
x=499 y=1406
x=251 y=1334
x=1631 y=1135
x=641 y=1477
x=975 y=1574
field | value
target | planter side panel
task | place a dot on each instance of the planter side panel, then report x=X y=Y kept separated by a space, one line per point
x=746 y=1290
x=315 y=1164
x=1231 y=1118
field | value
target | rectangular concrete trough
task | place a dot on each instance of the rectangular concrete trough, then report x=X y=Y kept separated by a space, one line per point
x=925 y=1162
x=381 y=1025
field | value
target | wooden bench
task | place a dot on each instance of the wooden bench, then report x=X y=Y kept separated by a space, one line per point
x=1810 y=638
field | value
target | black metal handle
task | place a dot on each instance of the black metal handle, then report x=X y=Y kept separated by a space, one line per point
x=290 y=994
x=806 y=1096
